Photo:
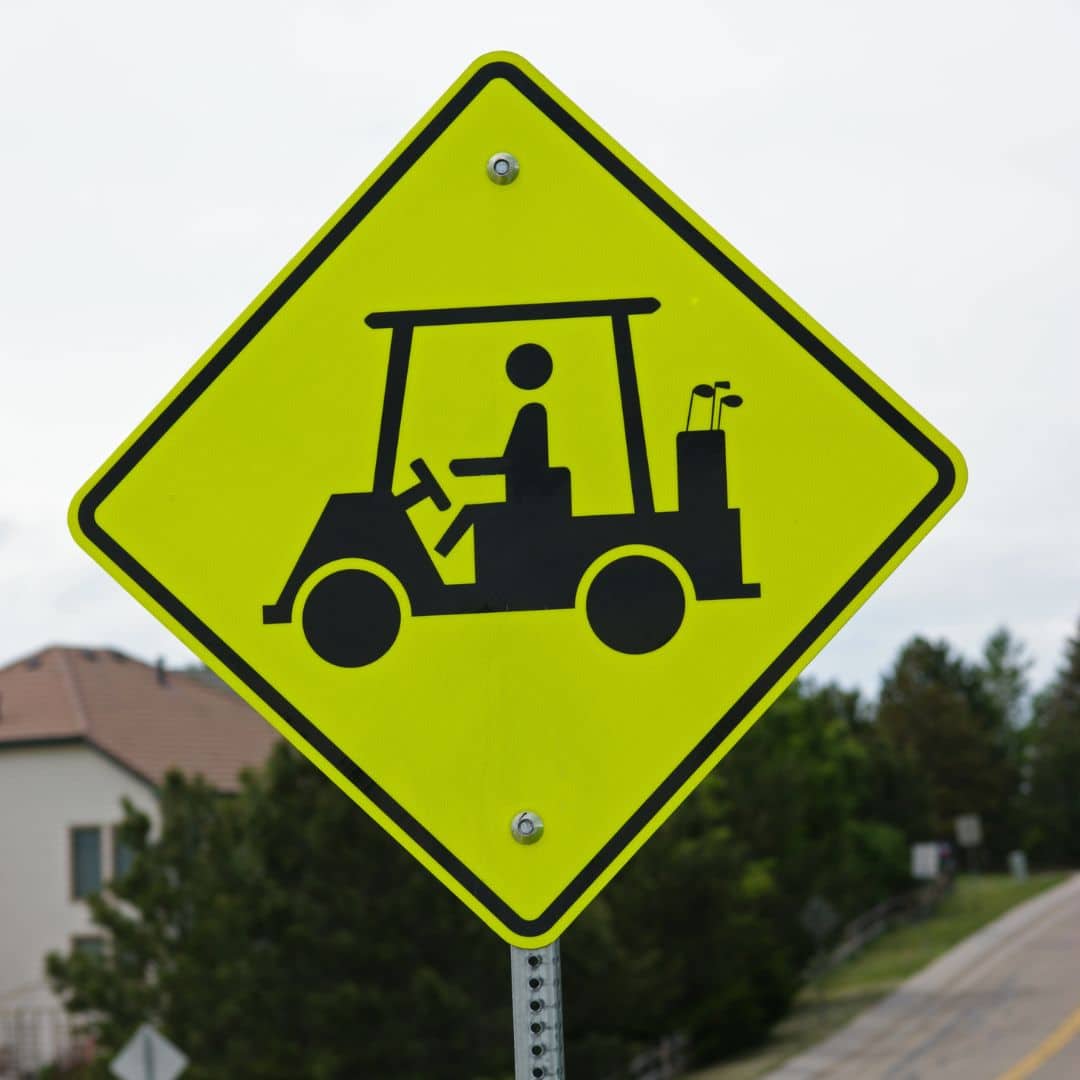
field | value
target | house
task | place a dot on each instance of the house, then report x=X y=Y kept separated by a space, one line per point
x=80 y=730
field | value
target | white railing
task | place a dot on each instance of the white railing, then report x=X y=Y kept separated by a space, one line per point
x=665 y=1061
x=33 y=1037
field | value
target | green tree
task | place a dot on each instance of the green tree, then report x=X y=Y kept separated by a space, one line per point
x=1005 y=667
x=280 y=933
x=801 y=782
x=697 y=949
x=942 y=719
x=1054 y=763
x=705 y=921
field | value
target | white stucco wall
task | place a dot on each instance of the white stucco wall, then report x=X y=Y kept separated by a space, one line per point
x=44 y=791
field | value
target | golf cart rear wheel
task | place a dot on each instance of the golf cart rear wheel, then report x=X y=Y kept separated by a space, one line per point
x=351 y=618
x=635 y=604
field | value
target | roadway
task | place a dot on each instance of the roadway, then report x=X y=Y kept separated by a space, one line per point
x=1004 y=1005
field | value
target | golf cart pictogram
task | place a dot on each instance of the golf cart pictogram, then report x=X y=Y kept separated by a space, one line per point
x=531 y=552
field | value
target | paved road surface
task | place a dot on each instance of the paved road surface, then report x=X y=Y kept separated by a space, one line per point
x=1004 y=1005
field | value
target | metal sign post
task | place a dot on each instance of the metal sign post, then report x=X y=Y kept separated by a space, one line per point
x=148 y=1055
x=536 y=977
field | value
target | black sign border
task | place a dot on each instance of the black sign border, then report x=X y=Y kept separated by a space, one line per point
x=769 y=305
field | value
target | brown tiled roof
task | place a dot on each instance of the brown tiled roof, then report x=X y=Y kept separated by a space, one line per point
x=148 y=719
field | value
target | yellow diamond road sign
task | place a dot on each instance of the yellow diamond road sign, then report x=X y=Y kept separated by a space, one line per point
x=516 y=498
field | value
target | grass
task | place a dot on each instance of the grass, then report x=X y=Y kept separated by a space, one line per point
x=831 y=1002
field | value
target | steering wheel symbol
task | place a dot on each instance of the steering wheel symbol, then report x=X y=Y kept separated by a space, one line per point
x=426 y=487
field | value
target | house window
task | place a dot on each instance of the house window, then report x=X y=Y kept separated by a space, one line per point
x=88 y=945
x=85 y=860
x=123 y=855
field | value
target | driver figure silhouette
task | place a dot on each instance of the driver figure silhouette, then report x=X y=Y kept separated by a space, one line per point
x=530 y=478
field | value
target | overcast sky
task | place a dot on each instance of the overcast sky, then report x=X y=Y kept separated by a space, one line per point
x=908 y=173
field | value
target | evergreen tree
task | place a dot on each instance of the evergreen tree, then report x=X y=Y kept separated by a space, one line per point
x=280 y=933
x=1005 y=668
x=948 y=726
x=800 y=782
x=1054 y=750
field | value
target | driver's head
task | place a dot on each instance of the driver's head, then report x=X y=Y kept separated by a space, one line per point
x=528 y=367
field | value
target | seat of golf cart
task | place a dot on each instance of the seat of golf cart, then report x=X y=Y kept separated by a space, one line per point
x=531 y=502
x=548 y=490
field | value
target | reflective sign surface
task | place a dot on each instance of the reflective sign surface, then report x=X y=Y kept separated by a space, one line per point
x=518 y=492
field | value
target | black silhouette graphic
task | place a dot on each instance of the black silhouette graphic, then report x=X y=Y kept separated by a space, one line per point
x=529 y=476
x=531 y=551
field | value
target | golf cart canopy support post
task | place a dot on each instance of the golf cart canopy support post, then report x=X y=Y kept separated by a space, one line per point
x=619 y=311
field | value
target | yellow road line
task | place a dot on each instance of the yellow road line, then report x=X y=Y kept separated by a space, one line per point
x=1053 y=1044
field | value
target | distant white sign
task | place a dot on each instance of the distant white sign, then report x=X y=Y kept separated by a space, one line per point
x=925 y=861
x=1018 y=865
x=148 y=1056
x=969 y=830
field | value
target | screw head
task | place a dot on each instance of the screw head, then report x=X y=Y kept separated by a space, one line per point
x=503 y=168
x=527 y=827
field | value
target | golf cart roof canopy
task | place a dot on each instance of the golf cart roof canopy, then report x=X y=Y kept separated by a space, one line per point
x=570 y=309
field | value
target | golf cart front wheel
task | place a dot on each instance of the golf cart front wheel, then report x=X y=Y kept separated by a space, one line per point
x=351 y=618
x=635 y=604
